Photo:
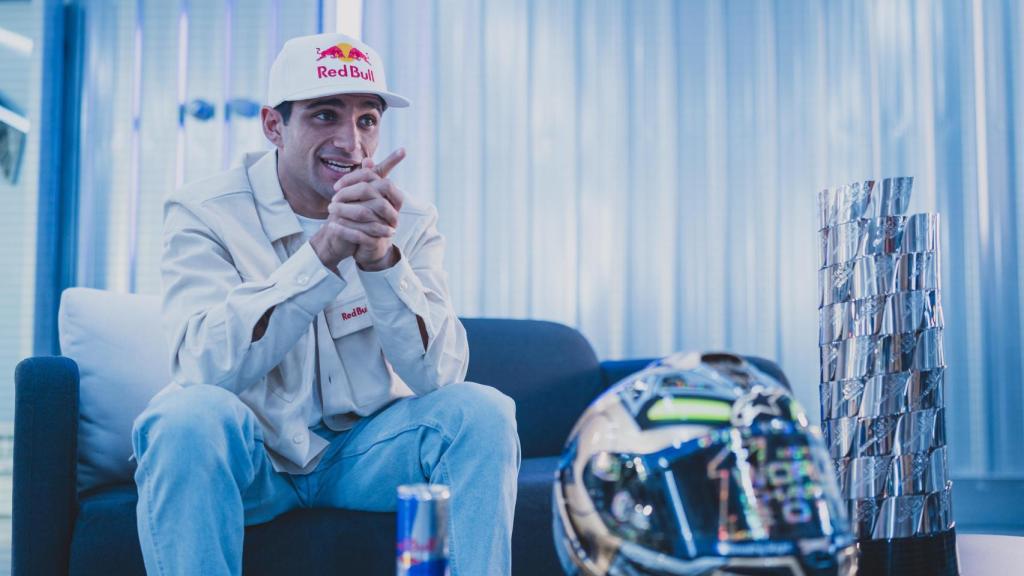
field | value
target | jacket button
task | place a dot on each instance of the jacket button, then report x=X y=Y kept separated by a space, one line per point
x=302 y=279
x=298 y=438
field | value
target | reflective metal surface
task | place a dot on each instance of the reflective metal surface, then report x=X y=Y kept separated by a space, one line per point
x=882 y=360
x=902 y=516
x=884 y=235
x=876 y=275
x=864 y=200
x=870 y=355
x=913 y=432
x=882 y=394
x=888 y=476
x=898 y=313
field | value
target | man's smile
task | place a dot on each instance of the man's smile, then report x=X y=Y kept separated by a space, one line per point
x=338 y=166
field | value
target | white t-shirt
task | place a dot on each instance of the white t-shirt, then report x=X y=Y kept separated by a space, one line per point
x=309 y=226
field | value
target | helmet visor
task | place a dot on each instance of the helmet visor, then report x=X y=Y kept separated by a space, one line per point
x=755 y=492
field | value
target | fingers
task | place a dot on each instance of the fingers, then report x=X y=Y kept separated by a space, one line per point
x=351 y=235
x=360 y=234
x=374 y=230
x=356 y=193
x=392 y=193
x=366 y=241
x=363 y=191
x=389 y=163
x=361 y=174
x=374 y=227
x=365 y=206
x=368 y=171
x=373 y=210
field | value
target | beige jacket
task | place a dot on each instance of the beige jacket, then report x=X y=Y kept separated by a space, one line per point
x=232 y=250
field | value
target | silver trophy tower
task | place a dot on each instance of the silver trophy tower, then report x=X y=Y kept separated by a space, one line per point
x=882 y=372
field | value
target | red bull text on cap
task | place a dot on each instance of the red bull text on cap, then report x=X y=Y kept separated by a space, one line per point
x=327 y=64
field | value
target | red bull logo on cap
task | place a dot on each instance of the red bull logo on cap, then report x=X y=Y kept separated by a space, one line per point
x=344 y=52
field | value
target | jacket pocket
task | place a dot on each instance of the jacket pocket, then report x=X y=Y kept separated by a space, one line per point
x=348 y=316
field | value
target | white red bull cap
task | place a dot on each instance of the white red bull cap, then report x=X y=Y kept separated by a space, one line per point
x=327 y=64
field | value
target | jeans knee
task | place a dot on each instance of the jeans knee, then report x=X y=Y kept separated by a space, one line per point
x=190 y=420
x=489 y=416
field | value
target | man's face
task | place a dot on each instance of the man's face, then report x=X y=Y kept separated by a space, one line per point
x=326 y=138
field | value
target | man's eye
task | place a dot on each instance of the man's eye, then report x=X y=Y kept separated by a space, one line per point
x=367 y=121
x=324 y=115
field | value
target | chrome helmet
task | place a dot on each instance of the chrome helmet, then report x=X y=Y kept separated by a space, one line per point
x=699 y=464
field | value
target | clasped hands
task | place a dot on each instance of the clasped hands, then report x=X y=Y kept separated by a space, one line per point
x=362 y=217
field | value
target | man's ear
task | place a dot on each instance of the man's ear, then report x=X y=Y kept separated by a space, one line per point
x=273 y=125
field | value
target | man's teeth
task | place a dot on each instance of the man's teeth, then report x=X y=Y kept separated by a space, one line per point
x=337 y=166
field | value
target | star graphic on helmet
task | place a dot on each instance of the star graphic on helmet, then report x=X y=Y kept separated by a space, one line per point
x=759 y=401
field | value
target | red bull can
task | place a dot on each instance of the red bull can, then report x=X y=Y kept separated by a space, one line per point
x=422 y=548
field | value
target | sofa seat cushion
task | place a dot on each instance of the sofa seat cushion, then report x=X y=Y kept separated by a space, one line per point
x=533 y=546
x=308 y=541
x=105 y=540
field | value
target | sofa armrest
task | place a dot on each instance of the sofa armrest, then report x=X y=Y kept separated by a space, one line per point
x=45 y=433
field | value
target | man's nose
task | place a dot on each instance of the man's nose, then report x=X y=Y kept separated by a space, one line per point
x=346 y=137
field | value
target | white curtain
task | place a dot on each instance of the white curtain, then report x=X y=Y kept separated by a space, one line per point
x=646 y=170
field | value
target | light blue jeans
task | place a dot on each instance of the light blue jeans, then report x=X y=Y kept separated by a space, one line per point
x=203 y=474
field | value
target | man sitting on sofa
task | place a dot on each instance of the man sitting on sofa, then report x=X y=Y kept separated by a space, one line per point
x=316 y=358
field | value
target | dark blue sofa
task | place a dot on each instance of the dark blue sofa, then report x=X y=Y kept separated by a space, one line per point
x=549 y=369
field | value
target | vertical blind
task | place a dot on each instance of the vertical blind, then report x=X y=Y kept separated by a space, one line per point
x=646 y=170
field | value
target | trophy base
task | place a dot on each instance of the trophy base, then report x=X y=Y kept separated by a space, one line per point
x=933 y=555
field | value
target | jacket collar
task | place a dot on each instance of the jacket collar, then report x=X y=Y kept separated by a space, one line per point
x=276 y=214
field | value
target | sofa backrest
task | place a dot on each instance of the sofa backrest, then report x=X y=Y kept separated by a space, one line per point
x=549 y=369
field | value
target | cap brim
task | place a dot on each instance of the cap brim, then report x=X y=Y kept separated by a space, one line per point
x=393 y=100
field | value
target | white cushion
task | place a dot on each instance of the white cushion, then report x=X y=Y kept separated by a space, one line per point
x=118 y=344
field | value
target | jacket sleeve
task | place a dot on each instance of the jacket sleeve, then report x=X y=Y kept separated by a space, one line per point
x=413 y=290
x=209 y=311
